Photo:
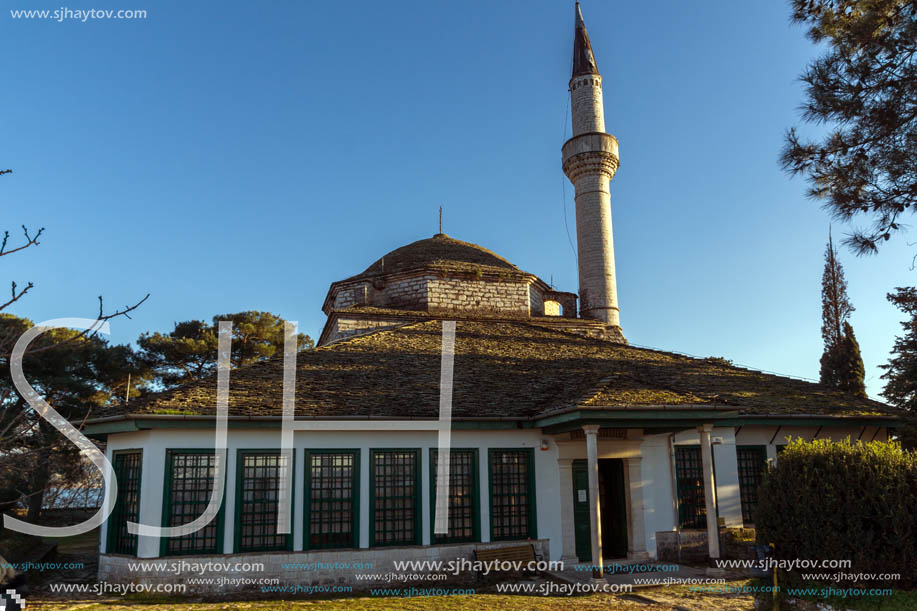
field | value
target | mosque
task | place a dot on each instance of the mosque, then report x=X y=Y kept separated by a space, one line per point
x=563 y=437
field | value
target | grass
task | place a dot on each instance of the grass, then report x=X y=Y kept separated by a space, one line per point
x=88 y=541
x=900 y=600
x=676 y=597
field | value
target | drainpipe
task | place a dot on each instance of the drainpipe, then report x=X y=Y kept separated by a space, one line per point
x=674 y=494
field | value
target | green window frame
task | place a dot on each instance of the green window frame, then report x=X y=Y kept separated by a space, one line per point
x=464 y=496
x=188 y=484
x=259 y=474
x=332 y=499
x=128 y=469
x=689 y=473
x=394 y=486
x=512 y=494
x=751 y=460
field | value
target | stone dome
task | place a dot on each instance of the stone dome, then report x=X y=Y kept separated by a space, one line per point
x=433 y=277
x=442 y=251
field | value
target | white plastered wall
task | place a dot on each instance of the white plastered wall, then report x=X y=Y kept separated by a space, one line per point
x=657 y=467
x=656 y=470
x=155 y=443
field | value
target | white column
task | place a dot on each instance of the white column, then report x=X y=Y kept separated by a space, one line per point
x=425 y=493
x=365 y=459
x=713 y=531
x=595 y=516
x=636 y=536
x=299 y=492
x=107 y=499
x=567 y=522
x=229 y=502
x=152 y=487
x=728 y=498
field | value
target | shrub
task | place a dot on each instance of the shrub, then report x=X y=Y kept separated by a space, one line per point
x=825 y=500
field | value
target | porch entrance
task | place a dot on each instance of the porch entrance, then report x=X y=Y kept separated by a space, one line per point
x=612 y=506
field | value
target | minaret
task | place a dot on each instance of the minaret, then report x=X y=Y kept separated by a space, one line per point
x=590 y=159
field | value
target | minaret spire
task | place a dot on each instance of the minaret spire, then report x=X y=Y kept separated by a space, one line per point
x=583 y=58
x=590 y=160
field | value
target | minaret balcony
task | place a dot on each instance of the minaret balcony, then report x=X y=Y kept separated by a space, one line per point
x=593 y=152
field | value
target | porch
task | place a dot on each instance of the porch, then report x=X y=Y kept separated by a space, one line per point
x=605 y=494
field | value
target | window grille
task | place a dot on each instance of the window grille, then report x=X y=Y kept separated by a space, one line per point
x=395 y=490
x=332 y=492
x=189 y=482
x=692 y=509
x=463 y=496
x=128 y=467
x=752 y=461
x=512 y=494
x=258 y=501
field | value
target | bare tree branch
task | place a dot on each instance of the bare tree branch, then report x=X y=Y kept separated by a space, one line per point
x=89 y=333
x=16 y=296
x=29 y=241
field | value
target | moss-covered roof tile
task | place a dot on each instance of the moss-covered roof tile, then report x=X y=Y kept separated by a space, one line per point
x=502 y=369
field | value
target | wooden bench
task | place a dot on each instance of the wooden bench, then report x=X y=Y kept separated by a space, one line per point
x=522 y=554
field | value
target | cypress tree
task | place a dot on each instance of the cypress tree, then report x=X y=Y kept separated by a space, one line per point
x=851 y=372
x=841 y=363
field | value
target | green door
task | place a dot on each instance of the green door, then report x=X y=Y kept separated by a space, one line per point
x=581 y=511
x=612 y=505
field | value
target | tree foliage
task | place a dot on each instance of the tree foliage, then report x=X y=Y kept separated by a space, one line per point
x=257 y=336
x=841 y=363
x=186 y=354
x=842 y=366
x=189 y=352
x=901 y=370
x=835 y=303
x=865 y=88
x=76 y=376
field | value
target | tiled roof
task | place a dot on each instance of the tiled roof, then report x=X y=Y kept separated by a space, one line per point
x=502 y=369
x=440 y=250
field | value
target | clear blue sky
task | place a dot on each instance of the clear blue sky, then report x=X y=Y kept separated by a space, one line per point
x=231 y=156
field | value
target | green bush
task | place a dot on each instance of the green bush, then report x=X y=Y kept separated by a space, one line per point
x=843 y=501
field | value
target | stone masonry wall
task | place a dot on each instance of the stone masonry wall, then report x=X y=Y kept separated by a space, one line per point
x=447 y=291
x=345 y=298
x=536 y=302
x=598 y=287
x=410 y=293
x=347 y=327
x=470 y=294
x=314 y=568
x=587 y=105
